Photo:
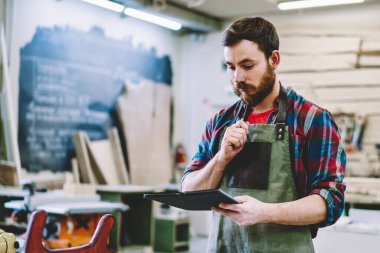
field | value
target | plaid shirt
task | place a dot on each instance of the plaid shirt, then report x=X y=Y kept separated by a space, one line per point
x=318 y=158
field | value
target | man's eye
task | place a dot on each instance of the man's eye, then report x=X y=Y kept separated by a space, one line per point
x=230 y=67
x=247 y=67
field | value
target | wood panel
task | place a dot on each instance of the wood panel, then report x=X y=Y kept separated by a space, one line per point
x=372 y=133
x=83 y=158
x=370 y=45
x=347 y=94
x=302 y=63
x=8 y=173
x=76 y=173
x=144 y=113
x=369 y=61
x=101 y=151
x=108 y=158
x=362 y=107
x=354 y=77
x=120 y=165
x=9 y=123
x=319 y=45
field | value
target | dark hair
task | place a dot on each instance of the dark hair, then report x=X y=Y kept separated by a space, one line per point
x=255 y=29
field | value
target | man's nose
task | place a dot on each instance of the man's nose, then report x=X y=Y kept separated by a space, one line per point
x=239 y=76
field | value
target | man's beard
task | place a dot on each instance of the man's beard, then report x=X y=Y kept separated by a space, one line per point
x=261 y=92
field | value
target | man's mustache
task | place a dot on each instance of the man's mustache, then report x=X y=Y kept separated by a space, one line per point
x=243 y=86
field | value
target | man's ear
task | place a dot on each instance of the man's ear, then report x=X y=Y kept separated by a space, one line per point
x=274 y=60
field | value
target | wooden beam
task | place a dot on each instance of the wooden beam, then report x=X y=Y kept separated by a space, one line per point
x=316 y=45
x=117 y=152
x=11 y=121
x=83 y=158
x=302 y=63
x=8 y=173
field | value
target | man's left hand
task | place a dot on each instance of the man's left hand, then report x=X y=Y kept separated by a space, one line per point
x=250 y=210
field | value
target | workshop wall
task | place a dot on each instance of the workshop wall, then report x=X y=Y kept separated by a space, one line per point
x=103 y=39
x=2 y=11
x=322 y=59
x=330 y=56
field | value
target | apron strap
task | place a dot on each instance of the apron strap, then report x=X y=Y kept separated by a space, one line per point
x=281 y=115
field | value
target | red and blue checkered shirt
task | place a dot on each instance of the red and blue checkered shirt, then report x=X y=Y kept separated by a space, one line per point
x=317 y=155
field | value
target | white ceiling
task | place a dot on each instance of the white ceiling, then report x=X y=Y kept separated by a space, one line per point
x=227 y=9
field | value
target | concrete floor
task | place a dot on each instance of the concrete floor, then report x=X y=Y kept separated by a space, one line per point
x=198 y=244
x=328 y=241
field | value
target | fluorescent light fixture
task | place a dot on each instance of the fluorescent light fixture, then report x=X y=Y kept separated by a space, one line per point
x=107 y=4
x=153 y=18
x=136 y=14
x=314 y=3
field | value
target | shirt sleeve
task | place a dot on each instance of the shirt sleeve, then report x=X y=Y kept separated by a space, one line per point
x=203 y=154
x=326 y=162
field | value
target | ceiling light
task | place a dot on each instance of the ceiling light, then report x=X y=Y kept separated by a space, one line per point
x=136 y=14
x=153 y=18
x=314 y=3
x=106 y=4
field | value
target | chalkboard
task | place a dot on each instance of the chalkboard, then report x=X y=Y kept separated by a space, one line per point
x=69 y=80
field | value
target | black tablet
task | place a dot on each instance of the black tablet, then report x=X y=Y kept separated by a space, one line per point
x=193 y=200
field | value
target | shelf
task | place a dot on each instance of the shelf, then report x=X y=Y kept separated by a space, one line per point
x=136 y=226
x=171 y=235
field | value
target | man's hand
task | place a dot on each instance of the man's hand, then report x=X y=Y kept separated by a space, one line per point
x=249 y=212
x=233 y=141
x=210 y=176
x=308 y=210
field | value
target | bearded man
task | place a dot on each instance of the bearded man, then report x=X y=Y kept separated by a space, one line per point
x=278 y=154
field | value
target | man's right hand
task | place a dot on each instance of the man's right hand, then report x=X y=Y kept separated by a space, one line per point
x=233 y=141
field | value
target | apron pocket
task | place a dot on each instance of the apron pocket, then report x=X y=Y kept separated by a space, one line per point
x=250 y=168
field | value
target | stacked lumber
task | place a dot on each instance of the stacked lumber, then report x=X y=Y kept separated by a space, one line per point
x=362 y=190
x=339 y=72
x=99 y=162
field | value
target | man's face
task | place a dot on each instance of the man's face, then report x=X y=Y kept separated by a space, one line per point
x=251 y=75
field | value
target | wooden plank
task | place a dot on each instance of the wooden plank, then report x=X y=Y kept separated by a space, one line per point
x=144 y=115
x=354 y=77
x=370 y=45
x=45 y=179
x=75 y=168
x=117 y=152
x=363 y=189
x=135 y=117
x=101 y=152
x=319 y=45
x=363 y=181
x=348 y=94
x=372 y=134
x=10 y=121
x=83 y=158
x=102 y=158
x=79 y=189
x=362 y=164
x=362 y=107
x=8 y=174
x=160 y=153
x=369 y=61
x=300 y=63
x=94 y=164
